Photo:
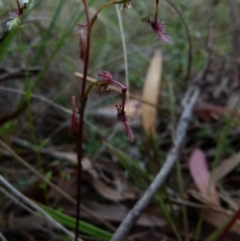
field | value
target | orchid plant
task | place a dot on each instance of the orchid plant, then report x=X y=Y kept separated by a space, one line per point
x=105 y=78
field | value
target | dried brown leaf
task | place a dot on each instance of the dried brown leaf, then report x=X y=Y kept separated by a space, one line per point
x=112 y=193
x=71 y=157
x=115 y=190
x=226 y=166
x=216 y=216
x=150 y=92
x=208 y=111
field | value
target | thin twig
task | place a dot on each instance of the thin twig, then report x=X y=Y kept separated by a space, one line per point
x=28 y=202
x=181 y=130
x=16 y=201
x=2 y=238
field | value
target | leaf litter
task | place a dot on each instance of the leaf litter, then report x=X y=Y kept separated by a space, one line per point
x=106 y=187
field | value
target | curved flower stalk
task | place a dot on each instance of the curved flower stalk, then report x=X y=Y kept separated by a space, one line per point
x=159 y=27
x=106 y=80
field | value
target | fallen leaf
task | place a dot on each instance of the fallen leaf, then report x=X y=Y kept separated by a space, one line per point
x=226 y=167
x=201 y=176
x=150 y=92
x=207 y=111
x=217 y=219
x=226 y=197
x=112 y=193
x=69 y=156
x=216 y=216
x=111 y=189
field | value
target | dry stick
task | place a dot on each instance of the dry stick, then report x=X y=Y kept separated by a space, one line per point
x=53 y=186
x=16 y=201
x=181 y=130
x=28 y=202
x=2 y=238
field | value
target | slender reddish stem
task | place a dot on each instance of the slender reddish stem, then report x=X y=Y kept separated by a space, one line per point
x=230 y=224
x=156 y=11
x=83 y=99
x=79 y=135
x=79 y=178
x=19 y=7
x=86 y=11
x=123 y=99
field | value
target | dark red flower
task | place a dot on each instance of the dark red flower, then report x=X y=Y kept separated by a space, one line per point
x=160 y=29
x=121 y=115
x=106 y=80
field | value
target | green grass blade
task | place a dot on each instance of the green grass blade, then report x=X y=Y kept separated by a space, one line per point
x=4 y=44
x=68 y=29
x=48 y=32
x=164 y=210
x=84 y=227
